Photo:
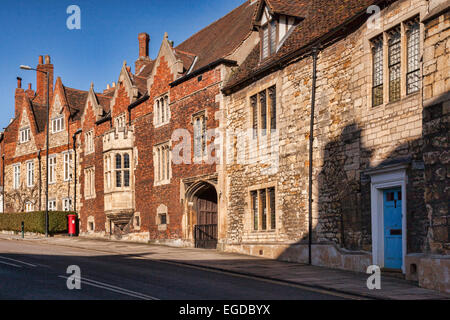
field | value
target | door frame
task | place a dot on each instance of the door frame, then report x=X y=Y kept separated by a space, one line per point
x=381 y=179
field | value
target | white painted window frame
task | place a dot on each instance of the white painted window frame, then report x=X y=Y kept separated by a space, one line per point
x=25 y=135
x=381 y=179
x=16 y=176
x=68 y=160
x=52 y=162
x=58 y=124
x=30 y=174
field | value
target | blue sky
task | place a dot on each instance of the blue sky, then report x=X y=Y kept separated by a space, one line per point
x=108 y=36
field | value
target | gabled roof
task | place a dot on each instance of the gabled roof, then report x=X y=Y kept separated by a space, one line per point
x=76 y=100
x=323 y=16
x=219 y=39
x=40 y=115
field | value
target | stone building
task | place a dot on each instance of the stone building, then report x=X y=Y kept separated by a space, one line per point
x=208 y=144
x=379 y=191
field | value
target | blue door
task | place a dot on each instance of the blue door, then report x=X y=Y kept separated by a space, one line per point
x=393 y=228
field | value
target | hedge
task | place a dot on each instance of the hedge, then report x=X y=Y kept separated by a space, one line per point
x=35 y=221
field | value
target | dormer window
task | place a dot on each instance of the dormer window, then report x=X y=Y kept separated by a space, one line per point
x=269 y=39
x=25 y=135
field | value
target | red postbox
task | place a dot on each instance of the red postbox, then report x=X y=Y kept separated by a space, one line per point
x=72 y=224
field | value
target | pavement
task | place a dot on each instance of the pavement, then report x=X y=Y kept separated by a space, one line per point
x=340 y=283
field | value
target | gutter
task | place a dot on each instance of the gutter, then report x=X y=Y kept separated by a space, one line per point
x=203 y=69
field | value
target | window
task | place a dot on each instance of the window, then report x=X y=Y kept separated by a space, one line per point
x=16 y=182
x=162 y=160
x=121 y=121
x=394 y=58
x=67 y=166
x=377 y=88
x=269 y=39
x=89 y=182
x=30 y=174
x=29 y=207
x=122 y=168
x=162 y=218
x=67 y=204
x=25 y=135
x=52 y=169
x=402 y=42
x=108 y=172
x=413 y=39
x=89 y=141
x=200 y=136
x=52 y=205
x=264 y=111
x=263 y=209
x=57 y=124
x=162 y=111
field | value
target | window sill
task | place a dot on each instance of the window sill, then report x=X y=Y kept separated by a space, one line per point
x=404 y=99
x=162 y=227
x=162 y=183
x=161 y=124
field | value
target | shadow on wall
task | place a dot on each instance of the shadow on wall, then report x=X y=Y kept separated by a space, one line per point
x=344 y=201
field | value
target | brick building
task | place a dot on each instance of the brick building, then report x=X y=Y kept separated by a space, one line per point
x=208 y=144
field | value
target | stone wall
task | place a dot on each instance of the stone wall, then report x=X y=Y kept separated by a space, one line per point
x=350 y=138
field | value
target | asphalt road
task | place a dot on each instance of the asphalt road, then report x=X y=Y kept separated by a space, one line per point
x=39 y=271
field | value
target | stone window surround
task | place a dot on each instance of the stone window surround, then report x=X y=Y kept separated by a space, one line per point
x=89 y=142
x=381 y=179
x=156 y=162
x=30 y=165
x=29 y=206
x=157 y=122
x=263 y=85
x=58 y=120
x=25 y=135
x=120 y=120
x=114 y=170
x=68 y=175
x=137 y=226
x=52 y=166
x=204 y=155
x=52 y=205
x=89 y=194
x=64 y=202
x=370 y=35
x=16 y=175
x=162 y=210
x=248 y=224
x=90 y=222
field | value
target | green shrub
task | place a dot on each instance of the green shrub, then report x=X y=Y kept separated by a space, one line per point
x=35 y=221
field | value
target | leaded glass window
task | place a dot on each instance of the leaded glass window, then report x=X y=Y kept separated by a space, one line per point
x=394 y=58
x=413 y=72
x=377 y=89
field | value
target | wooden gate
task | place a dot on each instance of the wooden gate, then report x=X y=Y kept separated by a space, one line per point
x=205 y=231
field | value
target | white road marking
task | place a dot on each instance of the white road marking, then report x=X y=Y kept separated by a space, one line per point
x=112 y=288
x=11 y=264
x=25 y=263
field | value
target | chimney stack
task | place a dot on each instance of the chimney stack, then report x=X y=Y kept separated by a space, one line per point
x=41 y=80
x=19 y=83
x=144 y=40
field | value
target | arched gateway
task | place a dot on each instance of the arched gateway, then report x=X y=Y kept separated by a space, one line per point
x=203 y=214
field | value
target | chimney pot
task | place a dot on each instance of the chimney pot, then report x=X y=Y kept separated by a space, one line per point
x=19 y=82
x=29 y=86
x=113 y=84
x=144 y=40
x=108 y=87
x=47 y=59
x=41 y=60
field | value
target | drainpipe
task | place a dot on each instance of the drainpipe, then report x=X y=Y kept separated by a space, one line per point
x=3 y=183
x=311 y=141
x=40 y=180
